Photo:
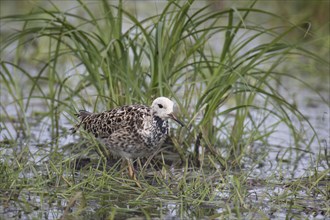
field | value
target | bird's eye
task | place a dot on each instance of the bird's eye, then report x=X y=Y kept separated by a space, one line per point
x=160 y=105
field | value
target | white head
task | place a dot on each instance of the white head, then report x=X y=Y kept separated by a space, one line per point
x=163 y=108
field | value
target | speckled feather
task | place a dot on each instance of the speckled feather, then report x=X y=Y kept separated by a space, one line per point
x=128 y=131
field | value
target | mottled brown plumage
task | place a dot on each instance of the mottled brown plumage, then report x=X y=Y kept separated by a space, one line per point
x=130 y=131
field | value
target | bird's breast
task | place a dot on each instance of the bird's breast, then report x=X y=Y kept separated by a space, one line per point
x=155 y=131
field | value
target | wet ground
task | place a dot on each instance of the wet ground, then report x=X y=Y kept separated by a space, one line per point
x=274 y=171
x=278 y=176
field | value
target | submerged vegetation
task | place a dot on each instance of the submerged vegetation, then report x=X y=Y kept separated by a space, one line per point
x=227 y=72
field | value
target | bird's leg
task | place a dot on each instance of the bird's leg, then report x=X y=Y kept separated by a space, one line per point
x=131 y=172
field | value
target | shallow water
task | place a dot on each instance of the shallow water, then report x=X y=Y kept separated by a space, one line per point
x=271 y=169
x=291 y=165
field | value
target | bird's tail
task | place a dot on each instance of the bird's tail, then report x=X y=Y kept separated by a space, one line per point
x=81 y=115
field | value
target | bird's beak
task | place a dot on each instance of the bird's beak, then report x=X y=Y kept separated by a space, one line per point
x=172 y=116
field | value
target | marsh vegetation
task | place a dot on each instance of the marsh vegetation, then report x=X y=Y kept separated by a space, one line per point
x=250 y=84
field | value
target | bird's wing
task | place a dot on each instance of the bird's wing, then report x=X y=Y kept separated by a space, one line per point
x=105 y=123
